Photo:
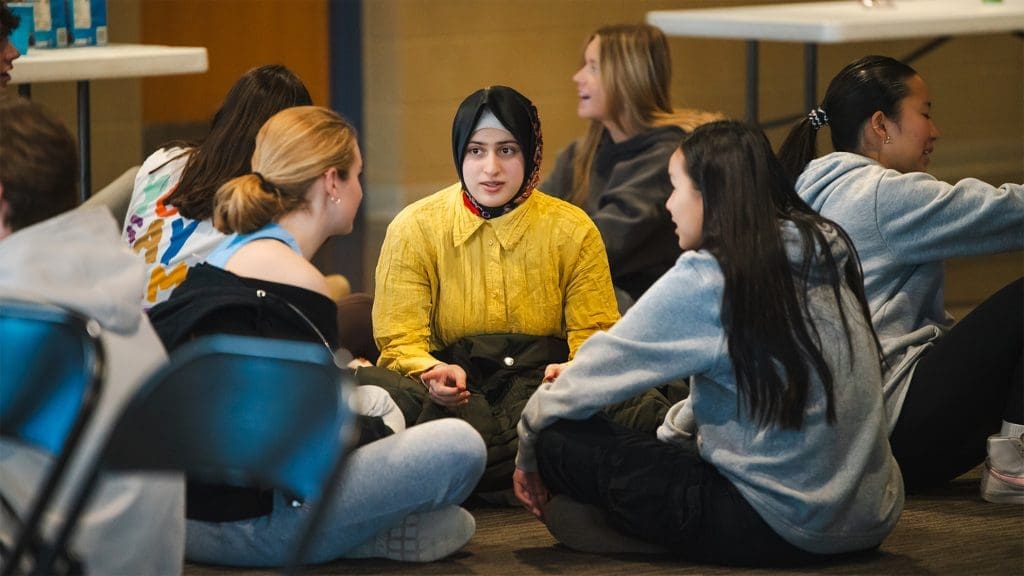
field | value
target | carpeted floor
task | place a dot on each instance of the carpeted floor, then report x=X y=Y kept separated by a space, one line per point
x=949 y=531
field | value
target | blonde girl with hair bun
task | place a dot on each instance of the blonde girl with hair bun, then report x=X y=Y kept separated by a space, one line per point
x=305 y=180
x=616 y=171
x=304 y=188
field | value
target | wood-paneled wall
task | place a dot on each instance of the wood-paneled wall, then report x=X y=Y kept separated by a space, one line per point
x=238 y=35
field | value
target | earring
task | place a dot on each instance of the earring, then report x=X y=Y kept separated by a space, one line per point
x=335 y=199
x=888 y=139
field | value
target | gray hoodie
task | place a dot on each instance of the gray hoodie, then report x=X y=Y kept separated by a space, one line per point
x=824 y=488
x=903 y=226
x=135 y=523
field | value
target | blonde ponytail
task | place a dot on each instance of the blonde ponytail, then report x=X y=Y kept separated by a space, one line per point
x=294 y=148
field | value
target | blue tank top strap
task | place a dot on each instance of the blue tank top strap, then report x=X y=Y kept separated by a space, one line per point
x=225 y=250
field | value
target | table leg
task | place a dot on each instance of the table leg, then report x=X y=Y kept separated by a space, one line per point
x=84 y=155
x=752 y=81
x=810 y=76
x=926 y=48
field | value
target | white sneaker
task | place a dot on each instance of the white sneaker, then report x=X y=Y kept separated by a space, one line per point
x=1002 y=480
x=420 y=537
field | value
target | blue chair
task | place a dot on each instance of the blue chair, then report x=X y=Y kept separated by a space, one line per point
x=238 y=411
x=51 y=373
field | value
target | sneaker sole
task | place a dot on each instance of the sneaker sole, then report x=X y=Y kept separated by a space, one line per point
x=421 y=537
x=1001 y=489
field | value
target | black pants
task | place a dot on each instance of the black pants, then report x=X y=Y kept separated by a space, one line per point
x=962 y=388
x=660 y=493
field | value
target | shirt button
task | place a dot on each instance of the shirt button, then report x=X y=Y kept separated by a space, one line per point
x=509 y=360
x=490 y=242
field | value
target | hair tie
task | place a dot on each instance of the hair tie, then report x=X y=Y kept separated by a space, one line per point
x=266 y=185
x=818 y=118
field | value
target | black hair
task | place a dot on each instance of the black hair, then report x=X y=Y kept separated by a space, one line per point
x=226 y=152
x=748 y=198
x=865 y=86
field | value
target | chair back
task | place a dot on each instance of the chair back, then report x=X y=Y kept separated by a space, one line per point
x=51 y=366
x=51 y=374
x=240 y=411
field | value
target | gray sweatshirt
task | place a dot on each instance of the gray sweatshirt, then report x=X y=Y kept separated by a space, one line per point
x=135 y=523
x=824 y=488
x=904 y=226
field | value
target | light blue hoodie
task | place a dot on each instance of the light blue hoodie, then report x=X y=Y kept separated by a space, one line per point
x=824 y=488
x=904 y=226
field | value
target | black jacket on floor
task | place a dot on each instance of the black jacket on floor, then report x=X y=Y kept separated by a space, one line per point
x=502 y=372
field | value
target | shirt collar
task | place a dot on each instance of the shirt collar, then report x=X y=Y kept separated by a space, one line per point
x=509 y=228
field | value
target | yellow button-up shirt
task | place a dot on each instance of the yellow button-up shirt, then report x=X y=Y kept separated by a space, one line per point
x=445 y=273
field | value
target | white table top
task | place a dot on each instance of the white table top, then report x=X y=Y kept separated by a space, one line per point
x=844 y=20
x=111 y=61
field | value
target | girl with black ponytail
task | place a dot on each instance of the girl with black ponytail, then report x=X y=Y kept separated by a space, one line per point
x=954 y=393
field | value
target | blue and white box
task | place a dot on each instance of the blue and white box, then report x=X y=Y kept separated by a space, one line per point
x=87 y=20
x=51 y=19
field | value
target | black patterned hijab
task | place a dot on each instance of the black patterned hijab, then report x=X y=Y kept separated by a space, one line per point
x=519 y=116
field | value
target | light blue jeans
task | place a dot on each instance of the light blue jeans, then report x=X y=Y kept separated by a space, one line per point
x=424 y=468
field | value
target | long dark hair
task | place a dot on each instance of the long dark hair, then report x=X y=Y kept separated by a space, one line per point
x=226 y=152
x=765 y=313
x=865 y=86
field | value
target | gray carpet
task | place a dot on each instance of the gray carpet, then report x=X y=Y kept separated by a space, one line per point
x=948 y=531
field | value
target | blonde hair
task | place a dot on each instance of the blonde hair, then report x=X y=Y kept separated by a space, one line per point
x=636 y=76
x=293 y=148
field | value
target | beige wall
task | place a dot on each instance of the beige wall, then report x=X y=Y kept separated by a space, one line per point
x=423 y=56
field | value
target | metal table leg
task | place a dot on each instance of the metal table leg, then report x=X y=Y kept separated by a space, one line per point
x=810 y=76
x=84 y=155
x=752 y=81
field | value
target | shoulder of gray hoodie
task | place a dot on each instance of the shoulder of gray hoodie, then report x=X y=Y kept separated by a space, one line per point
x=135 y=524
x=903 y=225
